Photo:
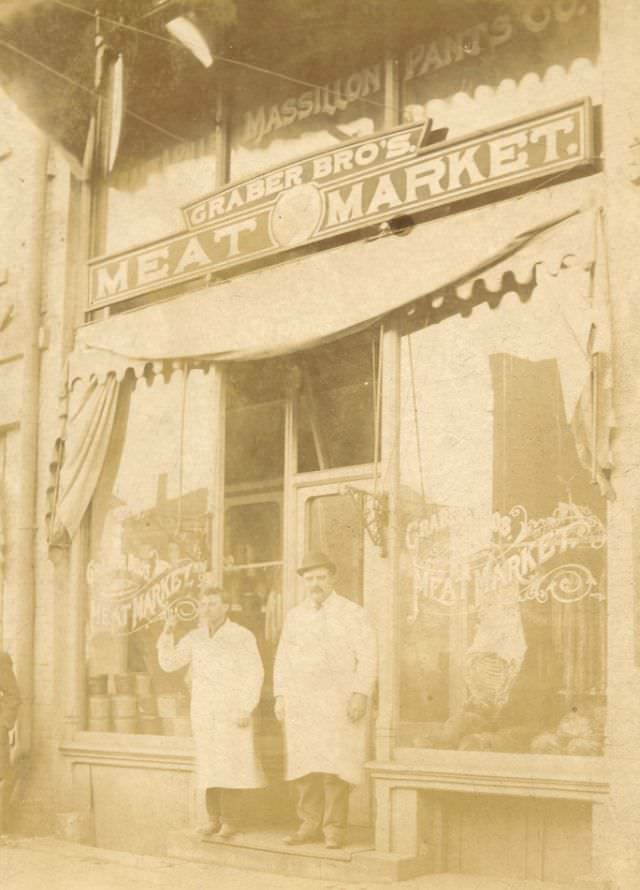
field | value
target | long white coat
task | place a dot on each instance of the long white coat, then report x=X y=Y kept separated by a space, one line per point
x=226 y=676
x=324 y=656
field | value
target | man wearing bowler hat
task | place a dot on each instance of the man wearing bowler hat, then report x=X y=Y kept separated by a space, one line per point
x=324 y=675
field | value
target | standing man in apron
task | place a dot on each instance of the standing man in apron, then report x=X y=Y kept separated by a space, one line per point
x=324 y=675
x=227 y=676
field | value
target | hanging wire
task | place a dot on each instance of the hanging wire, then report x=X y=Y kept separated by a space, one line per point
x=216 y=56
x=415 y=418
x=86 y=89
x=600 y=240
x=183 y=414
x=378 y=407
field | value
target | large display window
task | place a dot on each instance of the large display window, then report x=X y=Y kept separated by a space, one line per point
x=148 y=551
x=141 y=200
x=481 y=68
x=503 y=591
x=321 y=104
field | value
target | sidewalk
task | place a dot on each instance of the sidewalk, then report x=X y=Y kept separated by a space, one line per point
x=34 y=863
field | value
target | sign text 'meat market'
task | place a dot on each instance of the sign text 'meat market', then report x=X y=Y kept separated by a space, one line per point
x=349 y=187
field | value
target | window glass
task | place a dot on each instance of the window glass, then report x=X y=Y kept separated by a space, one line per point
x=276 y=120
x=255 y=404
x=148 y=551
x=483 y=67
x=335 y=526
x=502 y=571
x=142 y=200
x=253 y=494
x=312 y=85
x=336 y=405
x=166 y=153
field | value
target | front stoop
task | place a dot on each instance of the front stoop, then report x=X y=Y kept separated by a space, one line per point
x=264 y=851
x=358 y=862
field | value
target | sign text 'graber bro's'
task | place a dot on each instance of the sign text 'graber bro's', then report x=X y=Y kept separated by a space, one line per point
x=350 y=187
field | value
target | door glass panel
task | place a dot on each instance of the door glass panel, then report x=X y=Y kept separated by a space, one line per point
x=253 y=575
x=255 y=399
x=254 y=465
x=334 y=524
x=252 y=562
x=336 y=418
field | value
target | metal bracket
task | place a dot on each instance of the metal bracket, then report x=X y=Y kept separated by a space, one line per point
x=375 y=513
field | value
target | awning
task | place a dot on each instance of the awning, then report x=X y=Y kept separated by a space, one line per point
x=300 y=304
x=303 y=303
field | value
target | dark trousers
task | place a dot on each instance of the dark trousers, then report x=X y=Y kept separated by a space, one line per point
x=222 y=805
x=323 y=803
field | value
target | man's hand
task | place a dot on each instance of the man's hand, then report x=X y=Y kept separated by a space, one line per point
x=243 y=719
x=279 y=708
x=170 y=622
x=357 y=707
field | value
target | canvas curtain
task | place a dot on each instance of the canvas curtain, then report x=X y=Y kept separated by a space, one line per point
x=83 y=447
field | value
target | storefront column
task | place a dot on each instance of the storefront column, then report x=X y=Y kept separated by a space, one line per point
x=390 y=476
x=74 y=642
x=387 y=618
x=616 y=826
x=74 y=819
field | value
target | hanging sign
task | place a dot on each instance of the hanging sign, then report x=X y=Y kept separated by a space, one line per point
x=351 y=187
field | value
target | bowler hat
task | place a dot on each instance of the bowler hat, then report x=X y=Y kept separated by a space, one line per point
x=316 y=559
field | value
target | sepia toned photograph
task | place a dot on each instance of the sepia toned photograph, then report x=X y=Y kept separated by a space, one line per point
x=320 y=444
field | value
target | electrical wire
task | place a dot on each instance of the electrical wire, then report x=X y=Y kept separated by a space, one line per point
x=416 y=419
x=216 y=56
x=86 y=89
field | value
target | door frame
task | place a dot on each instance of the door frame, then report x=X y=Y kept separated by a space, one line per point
x=328 y=482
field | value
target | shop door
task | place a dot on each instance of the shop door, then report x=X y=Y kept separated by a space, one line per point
x=330 y=518
x=253 y=577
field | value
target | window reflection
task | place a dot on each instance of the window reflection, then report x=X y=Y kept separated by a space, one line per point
x=148 y=551
x=336 y=398
x=503 y=587
x=335 y=526
x=254 y=467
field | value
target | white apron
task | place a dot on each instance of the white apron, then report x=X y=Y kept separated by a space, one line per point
x=324 y=656
x=227 y=676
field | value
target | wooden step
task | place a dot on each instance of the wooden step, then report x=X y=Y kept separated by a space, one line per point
x=265 y=851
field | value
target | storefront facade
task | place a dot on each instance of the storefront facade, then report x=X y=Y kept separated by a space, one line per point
x=374 y=316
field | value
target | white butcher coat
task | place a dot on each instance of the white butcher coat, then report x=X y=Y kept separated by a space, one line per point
x=226 y=677
x=324 y=656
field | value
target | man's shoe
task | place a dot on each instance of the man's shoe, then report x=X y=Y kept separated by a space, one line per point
x=226 y=831
x=300 y=837
x=333 y=842
x=208 y=830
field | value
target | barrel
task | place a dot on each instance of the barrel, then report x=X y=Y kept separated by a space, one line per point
x=167 y=705
x=97 y=685
x=125 y=684
x=124 y=706
x=143 y=684
x=148 y=706
x=149 y=725
x=124 y=724
x=99 y=706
